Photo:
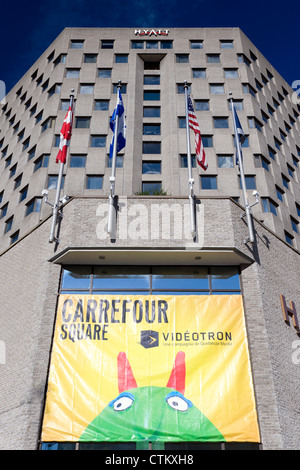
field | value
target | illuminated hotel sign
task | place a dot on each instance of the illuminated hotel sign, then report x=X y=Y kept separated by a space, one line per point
x=150 y=32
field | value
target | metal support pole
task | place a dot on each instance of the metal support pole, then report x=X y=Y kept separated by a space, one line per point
x=56 y=205
x=189 y=162
x=242 y=176
x=112 y=215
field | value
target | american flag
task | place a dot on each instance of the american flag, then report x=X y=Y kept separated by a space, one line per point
x=201 y=158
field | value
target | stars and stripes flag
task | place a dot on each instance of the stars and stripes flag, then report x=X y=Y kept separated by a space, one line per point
x=65 y=136
x=193 y=123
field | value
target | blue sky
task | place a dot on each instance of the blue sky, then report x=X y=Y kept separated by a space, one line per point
x=28 y=28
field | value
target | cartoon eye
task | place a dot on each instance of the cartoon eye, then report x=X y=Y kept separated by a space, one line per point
x=122 y=402
x=178 y=402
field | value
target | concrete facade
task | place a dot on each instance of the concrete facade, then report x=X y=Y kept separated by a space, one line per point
x=27 y=135
x=151 y=230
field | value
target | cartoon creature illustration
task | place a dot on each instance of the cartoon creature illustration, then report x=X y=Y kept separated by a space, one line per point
x=151 y=413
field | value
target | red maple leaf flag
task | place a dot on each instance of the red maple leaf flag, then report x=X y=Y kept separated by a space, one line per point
x=65 y=136
x=193 y=123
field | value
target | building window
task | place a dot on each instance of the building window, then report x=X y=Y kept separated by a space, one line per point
x=184 y=161
x=13 y=170
x=196 y=44
x=254 y=123
x=119 y=161
x=33 y=206
x=90 y=58
x=231 y=73
x=64 y=105
x=8 y=224
x=213 y=58
x=248 y=89
x=250 y=182
x=238 y=104
x=288 y=238
x=137 y=44
x=26 y=144
x=242 y=59
x=225 y=161
x=151 y=44
x=98 y=141
x=201 y=105
x=268 y=205
x=285 y=181
x=4 y=210
x=54 y=89
x=107 y=44
x=151 y=168
x=166 y=44
x=72 y=73
x=121 y=58
x=23 y=193
x=151 y=187
x=86 y=89
x=182 y=58
x=295 y=224
x=199 y=73
x=53 y=180
x=48 y=124
x=77 y=44
x=220 y=122
x=104 y=73
x=94 y=182
x=261 y=162
x=216 y=89
x=151 y=147
x=151 y=80
x=78 y=161
x=101 y=105
x=151 y=129
x=208 y=182
x=151 y=95
x=181 y=89
x=14 y=237
x=151 y=111
x=182 y=122
x=18 y=181
x=123 y=89
x=61 y=59
x=82 y=123
x=226 y=44
x=207 y=140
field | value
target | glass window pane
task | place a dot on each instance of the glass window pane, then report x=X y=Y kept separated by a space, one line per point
x=166 y=44
x=225 y=277
x=119 y=277
x=152 y=147
x=151 y=188
x=151 y=129
x=202 y=105
x=151 y=168
x=101 y=105
x=151 y=44
x=174 y=278
x=77 y=161
x=137 y=44
x=104 y=73
x=199 y=73
x=151 y=111
x=217 y=89
x=151 y=80
x=94 y=182
x=196 y=44
x=87 y=89
x=209 y=182
x=213 y=58
x=151 y=95
x=98 y=141
x=225 y=161
x=76 y=277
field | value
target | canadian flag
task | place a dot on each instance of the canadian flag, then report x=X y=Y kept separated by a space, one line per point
x=65 y=136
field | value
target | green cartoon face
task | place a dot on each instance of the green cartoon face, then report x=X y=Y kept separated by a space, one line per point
x=151 y=414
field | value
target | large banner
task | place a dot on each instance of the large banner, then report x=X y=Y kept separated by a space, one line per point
x=150 y=368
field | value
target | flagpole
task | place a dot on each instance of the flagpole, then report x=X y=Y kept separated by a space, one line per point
x=242 y=175
x=58 y=188
x=112 y=179
x=189 y=162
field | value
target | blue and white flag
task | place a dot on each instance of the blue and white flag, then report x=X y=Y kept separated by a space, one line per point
x=240 y=134
x=121 y=131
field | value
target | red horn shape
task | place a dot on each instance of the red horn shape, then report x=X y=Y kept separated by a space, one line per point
x=126 y=378
x=177 y=377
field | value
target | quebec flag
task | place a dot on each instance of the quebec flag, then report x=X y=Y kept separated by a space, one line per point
x=240 y=133
x=120 y=132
